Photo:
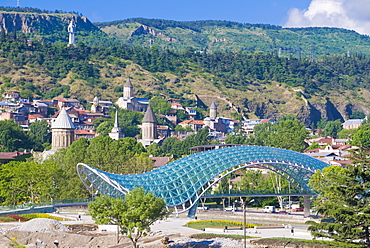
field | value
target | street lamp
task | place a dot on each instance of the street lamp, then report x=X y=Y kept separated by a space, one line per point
x=245 y=220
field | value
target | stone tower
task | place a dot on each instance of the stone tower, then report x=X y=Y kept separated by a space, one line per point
x=128 y=89
x=62 y=129
x=95 y=108
x=213 y=111
x=116 y=132
x=149 y=125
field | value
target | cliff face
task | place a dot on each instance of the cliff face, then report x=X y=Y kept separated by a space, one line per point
x=142 y=30
x=42 y=23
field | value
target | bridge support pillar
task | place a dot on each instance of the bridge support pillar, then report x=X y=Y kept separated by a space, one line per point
x=307 y=207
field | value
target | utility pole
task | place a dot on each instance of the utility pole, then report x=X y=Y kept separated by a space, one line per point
x=245 y=203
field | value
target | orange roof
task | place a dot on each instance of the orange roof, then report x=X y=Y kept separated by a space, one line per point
x=81 y=111
x=34 y=116
x=325 y=140
x=197 y=122
x=11 y=155
x=83 y=132
x=176 y=104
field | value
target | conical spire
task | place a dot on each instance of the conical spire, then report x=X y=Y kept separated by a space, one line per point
x=149 y=116
x=128 y=89
x=128 y=83
x=63 y=121
x=116 y=128
x=213 y=110
x=213 y=105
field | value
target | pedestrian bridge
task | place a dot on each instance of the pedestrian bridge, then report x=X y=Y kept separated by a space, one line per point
x=183 y=182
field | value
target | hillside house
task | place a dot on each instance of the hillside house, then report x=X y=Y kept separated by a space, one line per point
x=352 y=123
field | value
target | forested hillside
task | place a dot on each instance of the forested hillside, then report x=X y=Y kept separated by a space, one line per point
x=50 y=26
x=308 y=43
x=253 y=83
x=260 y=85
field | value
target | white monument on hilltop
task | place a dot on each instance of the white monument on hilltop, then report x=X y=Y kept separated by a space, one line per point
x=71 y=32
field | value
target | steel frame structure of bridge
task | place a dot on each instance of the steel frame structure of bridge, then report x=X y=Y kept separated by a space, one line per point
x=183 y=182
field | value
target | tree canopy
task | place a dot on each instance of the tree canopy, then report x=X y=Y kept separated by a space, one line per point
x=134 y=214
x=12 y=137
x=343 y=196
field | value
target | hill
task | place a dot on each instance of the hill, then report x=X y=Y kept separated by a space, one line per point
x=226 y=35
x=50 y=26
x=251 y=84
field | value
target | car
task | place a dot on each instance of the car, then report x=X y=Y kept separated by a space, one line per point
x=202 y=208
x=283 y=212
x=229 y=208
x=269 y=209
x=298 y=209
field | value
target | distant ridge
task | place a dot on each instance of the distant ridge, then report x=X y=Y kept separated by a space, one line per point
x=227 y=35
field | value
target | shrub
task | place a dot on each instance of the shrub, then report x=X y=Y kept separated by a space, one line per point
x=6 y=219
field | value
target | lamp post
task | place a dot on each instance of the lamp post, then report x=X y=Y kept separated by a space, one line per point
x=245 y=220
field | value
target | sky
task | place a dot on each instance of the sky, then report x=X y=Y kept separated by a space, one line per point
x=349 y=14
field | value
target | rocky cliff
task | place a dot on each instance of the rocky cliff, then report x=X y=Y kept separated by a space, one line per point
x=30 y=23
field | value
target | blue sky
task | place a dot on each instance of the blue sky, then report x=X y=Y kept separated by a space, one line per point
x=244 y=11
x=349 y=14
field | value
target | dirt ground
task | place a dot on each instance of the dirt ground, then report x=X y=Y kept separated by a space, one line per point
x=80 y=236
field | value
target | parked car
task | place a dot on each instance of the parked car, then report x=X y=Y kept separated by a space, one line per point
x=283 y=212
x=202 y=208
x=229 y=208
x=298 y=209
x=269 y=209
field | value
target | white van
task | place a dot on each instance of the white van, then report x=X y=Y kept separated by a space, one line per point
x=269 y=209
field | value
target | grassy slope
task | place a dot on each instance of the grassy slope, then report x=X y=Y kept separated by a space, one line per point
x=319 y=41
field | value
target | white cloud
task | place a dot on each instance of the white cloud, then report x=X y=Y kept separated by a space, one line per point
x=348 y=14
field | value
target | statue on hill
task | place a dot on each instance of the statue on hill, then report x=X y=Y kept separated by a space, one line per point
x=71 y=33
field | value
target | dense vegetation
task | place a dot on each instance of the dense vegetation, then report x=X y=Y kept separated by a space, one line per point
x=236 y=70
x=343 y=197
x=216 y=35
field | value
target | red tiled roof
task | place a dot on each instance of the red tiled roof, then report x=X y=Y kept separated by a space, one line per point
x=265 y=120
x=325 y=140
x=35 y=116
x=342 y=162
x=198 y=122
x=176 y=104
x=83 y=132
x=11 y=155
x=316 y=150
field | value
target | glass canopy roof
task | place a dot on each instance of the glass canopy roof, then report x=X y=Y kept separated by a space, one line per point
x=184 y=181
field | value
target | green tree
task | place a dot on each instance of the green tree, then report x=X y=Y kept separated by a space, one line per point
x=288 y=134
x=39 y=134
x=12 y=137
x=347 y=133
x=287 y=117
x=357 y=115
x=69 y=184
x=134 y=214
x=321 y=124
x=154 y=149
x=332 y=128
x=362 y=137
x=28 y=182
x=160 y=105
x=343 y=195
x=235 y=139
x=314 y=145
